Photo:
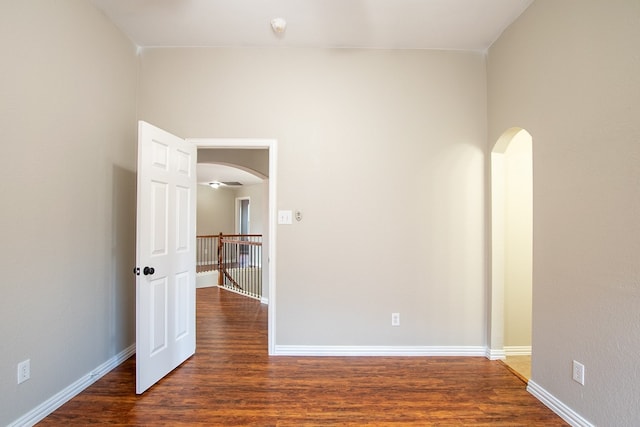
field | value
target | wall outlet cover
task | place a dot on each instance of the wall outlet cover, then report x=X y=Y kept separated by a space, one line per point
x=578 y=372
x=24 y=371
x=395 y=319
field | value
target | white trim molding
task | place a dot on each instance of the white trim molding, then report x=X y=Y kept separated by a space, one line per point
x=517 y=350
x=47 y=407
x=319 y=350
x=495 y=354
x=272 y=146
x=562 y=410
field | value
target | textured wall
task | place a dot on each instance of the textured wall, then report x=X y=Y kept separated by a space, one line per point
x=68 y=131
x=569 y=73
x=383 y=151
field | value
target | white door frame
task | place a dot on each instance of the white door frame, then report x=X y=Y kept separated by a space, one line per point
x=272 y=146
x=238 y=222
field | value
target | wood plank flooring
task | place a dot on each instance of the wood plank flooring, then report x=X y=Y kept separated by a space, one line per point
x=231 y=381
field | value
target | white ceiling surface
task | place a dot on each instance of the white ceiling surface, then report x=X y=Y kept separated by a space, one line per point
x=384 y=24
x=207 y=173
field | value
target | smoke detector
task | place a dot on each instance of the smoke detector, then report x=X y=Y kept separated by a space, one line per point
x=279 y=25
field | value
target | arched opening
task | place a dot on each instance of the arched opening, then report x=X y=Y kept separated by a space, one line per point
x=224 y=194
x=511 y=248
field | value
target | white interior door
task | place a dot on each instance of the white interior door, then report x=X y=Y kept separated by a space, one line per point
x=165 y=252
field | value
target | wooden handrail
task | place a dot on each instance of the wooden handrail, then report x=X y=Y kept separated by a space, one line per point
x=229 y=235
x=239 y=261
x=241 y=242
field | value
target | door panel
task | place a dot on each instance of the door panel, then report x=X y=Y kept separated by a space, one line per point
x=182 y=305
x=183 y=197
x=158 y=318
x=159 y=226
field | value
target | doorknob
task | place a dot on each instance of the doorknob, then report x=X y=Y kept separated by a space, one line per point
x=148 y=270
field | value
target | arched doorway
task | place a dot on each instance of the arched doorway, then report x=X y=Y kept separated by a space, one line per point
x=511 y=248
x=224 y=192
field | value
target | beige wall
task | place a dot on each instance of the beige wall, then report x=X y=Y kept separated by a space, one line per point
x=68 y=132
x=373 y=146
x=569 y=73
x=222 y=204
x=215 y=211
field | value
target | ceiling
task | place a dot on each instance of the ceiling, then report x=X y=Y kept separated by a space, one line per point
x=368 y=24
x=384 y=24
x=207 y=173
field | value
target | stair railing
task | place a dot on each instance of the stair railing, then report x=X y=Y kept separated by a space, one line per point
x=240 y=263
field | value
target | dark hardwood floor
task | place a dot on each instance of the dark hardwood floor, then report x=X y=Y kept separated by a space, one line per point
x=231 y=381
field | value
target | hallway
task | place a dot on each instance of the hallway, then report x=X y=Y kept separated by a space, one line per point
x=521 y=365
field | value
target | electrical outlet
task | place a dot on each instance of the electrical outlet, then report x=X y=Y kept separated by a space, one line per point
x=578 y=372
x=395 y=319
x=24 y=371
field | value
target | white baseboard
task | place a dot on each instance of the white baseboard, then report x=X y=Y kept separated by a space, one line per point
x=495 y=354
x=315 y=350
x=229 y=289
x=38 y=413
x=264 y=300
x=517 y=350
x=562 y=410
